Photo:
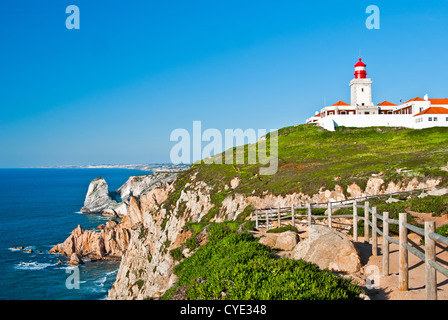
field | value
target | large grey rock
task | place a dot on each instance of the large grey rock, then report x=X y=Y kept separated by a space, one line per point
x=100 y=200
x=330 y=249
x=98 y=197
x=138 y=185
x=284 y=241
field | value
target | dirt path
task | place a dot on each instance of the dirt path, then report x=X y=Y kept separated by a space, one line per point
x=389 y=285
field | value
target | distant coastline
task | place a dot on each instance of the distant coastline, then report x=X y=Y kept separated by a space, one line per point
x=163 y=167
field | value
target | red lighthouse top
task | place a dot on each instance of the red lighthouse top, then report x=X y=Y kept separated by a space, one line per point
x=360 y=70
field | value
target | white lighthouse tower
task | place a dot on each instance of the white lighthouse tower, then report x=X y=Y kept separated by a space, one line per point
x=361 y=91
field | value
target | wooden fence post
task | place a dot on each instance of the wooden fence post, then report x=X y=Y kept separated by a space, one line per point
x=267 y=220
x=256 y=219
x=309 y=214
x=293 y=216
x=330 y=222
x=355 y=221
x=430 y=255
x=385 y=244
x=279 y=223
x=366 y=222
x=403 y=276
x=374 y=233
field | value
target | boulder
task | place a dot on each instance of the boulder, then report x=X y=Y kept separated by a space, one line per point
x=269 y=240
x=330 y=249
x=287 y=240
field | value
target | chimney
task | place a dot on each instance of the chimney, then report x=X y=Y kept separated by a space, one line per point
x=426 y=97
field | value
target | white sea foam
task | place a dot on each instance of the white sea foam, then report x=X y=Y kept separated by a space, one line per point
x=32 y=266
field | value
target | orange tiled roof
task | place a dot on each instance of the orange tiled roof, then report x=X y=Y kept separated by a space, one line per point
x=340 y=103
x=439 y=101
x=433 y=110
x=386 y=104
x=416 y=99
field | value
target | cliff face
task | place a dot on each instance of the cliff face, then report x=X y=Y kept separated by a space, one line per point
x=146 y=269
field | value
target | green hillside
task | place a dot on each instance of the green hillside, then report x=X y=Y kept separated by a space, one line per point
x=311 y=157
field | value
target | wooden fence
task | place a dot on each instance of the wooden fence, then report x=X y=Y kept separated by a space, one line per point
x=371 y=218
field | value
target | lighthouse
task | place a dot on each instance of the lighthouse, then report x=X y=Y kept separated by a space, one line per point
x=360 y=70
x=361 y=90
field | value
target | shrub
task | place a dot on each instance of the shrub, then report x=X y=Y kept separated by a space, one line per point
x=283 y=229
x=236 y=267
x=176 y=254
x=430 y=204
x=443 y=230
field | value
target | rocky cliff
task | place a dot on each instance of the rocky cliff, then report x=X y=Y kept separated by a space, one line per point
x=146 y=270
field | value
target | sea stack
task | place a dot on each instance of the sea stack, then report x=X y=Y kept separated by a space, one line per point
x=98 y=197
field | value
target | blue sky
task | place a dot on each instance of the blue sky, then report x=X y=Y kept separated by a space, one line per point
x=113 y=91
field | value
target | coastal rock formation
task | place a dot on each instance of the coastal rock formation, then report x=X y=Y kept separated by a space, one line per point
x=98 y=197
x=100 y=200
x=328 y=248
x=110 y=241
x=107 y=244
x=137 y=185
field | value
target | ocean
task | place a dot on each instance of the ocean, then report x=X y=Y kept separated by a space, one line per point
x=38 y=209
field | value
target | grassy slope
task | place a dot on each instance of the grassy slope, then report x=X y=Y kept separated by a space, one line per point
x=310 y=158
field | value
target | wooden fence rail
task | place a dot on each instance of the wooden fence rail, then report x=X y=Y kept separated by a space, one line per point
x=371 y=232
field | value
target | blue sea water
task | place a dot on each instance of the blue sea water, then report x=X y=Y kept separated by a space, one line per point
x=38 y=209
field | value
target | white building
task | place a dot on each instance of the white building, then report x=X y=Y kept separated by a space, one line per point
x=416 y=113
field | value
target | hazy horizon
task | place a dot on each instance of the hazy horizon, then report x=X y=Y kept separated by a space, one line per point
x=114 y=90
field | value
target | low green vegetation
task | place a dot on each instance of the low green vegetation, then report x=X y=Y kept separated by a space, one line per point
x=283 y=229
x=311 y=158
x=443 y=230
x=234 y=266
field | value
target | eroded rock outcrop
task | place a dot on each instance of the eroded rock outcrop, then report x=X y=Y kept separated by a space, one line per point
x=107 y=244
x=138 y=185
x=98 y=197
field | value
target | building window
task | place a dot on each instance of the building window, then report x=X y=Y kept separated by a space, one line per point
x=421 y=109
x=362 y=90
x=430 y=119
x=446 y=118
x=435 y=118
x=366 y=112
x=343 y=112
